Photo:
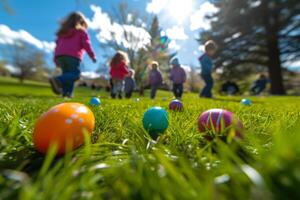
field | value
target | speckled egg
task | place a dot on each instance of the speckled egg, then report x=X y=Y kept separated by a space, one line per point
x=63 y=125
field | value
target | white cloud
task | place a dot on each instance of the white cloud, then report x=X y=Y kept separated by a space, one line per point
x=186 y=68
x=135 y=37
x=10 y=37
x=176 y=33
x=198 y=19
x=293 y=64
x=177 y=10
x=156 y=6
x=173 y=45
x=90 y=75
x=201 y=48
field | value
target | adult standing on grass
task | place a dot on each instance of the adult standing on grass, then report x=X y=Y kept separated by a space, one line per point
x=118 y=71
x=207 y=68
x=72 y=41
x=155 y=78
x=178 y=77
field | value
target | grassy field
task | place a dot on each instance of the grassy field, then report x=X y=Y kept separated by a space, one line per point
x=121 y=161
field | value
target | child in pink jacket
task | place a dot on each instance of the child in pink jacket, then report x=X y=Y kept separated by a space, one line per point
x=118 y=72
x=72 y=41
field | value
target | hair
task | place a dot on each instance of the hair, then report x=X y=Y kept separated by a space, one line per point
x=74 y=19
x=154 y=64
x=119 y=57
x=210 y=45
x=262 y=76
x=132 y=71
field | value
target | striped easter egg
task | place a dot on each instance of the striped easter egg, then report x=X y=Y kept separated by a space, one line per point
x=176 y=105
x=219 y=122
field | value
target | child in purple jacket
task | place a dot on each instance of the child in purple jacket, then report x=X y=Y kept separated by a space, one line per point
x=178 y=77
x=155 y=78
x=72 y=41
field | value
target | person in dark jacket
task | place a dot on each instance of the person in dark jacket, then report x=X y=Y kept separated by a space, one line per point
x=178 y=77
x=260 y=84
x=230 y=88
x=129 y=84
x=155 y=78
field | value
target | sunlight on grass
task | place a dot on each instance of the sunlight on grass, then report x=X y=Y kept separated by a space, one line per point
x=123 y=163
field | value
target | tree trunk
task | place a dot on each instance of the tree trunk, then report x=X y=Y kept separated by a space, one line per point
x=274 y=67
x=274 y=61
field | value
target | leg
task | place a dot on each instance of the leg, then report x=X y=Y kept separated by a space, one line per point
x=117 y=88
x=175 y=90
x=206 y=91
x=67 y=80
x=55 y=85
x=180 y=90
x=120 y=88
x=210 y=86
x=153 y=91
x=71 y=73
x=128 y=94
x=114 y=89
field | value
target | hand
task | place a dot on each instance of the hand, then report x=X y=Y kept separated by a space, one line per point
x=94 y=60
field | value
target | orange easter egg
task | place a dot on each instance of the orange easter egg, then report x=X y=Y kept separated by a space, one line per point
x=63 y=125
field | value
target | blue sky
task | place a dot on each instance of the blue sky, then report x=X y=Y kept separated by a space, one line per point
x=181 y=20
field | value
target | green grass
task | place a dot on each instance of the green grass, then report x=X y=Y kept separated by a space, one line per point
x=122 y=162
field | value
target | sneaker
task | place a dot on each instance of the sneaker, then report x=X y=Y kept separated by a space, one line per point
x=55 y=85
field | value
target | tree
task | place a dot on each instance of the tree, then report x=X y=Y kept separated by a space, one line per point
x=257 y=32
x=6 y=6
x=29 y=62
x=140 y=40
x=3 y=70
x=156 y=50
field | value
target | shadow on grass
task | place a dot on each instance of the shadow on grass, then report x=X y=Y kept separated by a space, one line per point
x=26 y=160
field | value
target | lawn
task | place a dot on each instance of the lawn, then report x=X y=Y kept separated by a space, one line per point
x=122 y=162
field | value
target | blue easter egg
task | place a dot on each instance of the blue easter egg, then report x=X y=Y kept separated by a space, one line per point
x=95 y=101
x=156 y=121
x=246 y=102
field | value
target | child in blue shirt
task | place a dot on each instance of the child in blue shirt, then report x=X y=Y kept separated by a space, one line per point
x=207 y=68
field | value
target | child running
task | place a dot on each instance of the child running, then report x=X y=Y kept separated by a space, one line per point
x=118 y=72
x=71 y=43
x=155 y=78
x=207 y=68
x=178 y=77
x=129 y=84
